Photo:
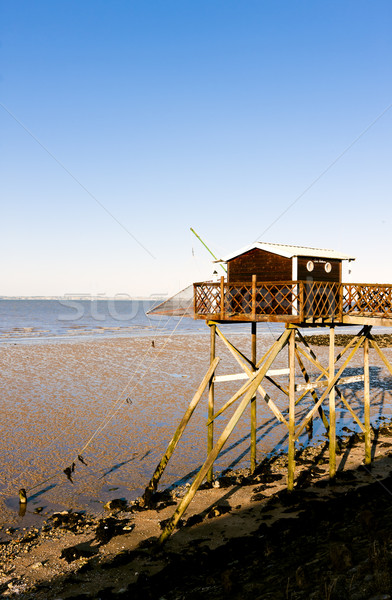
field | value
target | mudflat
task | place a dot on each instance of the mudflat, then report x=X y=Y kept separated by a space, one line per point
x=115 y=404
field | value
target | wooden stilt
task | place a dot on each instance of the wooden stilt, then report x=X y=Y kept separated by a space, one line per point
x=332 y=414
x=223 y=438
x=152 y=486
x=291 y=448
x=366 y=388
x=253 y=413
x=210 y=426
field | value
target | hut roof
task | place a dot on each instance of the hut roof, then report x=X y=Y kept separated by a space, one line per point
x=289 y=251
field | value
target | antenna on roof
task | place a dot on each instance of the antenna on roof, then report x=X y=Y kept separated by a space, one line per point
x=205 y=245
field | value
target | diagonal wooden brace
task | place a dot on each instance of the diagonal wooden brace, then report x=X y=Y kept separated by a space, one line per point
x=152 y=486
x=236 y=353
x=328 y=389
x=261 y=372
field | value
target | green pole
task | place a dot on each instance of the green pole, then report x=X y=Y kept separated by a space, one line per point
x=205 y=246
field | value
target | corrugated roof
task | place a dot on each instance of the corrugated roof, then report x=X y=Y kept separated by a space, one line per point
x=289 y=251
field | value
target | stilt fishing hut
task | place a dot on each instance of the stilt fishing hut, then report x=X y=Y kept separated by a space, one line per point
x=299 y=287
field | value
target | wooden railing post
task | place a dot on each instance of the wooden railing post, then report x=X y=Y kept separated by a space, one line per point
x=368 y=447
x=340 y=294
x=253 y=410
x=301 y=301
x=332 y=414
x=254 y=280
x=194 y=300
x=291 y=443
x=222 y=298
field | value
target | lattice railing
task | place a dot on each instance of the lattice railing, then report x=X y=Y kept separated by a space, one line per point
x=243 y=299
x=207 y=298
x=321 y=300
x=303 y=300
x=267 y=298
x=367 y=300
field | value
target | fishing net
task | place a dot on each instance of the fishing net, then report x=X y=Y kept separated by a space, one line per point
x=179 y=305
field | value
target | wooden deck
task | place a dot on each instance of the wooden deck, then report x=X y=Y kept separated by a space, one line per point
x=299 y=302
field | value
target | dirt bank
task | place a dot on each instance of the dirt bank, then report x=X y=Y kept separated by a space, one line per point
x=244 y=538
x=384 y=340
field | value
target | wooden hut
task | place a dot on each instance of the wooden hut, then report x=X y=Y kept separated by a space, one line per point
x=275 y=282
x=280 y=262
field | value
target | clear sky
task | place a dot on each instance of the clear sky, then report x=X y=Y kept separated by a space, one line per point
x=125 y=123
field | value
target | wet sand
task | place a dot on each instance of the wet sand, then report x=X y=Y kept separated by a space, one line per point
x=56 y=397
x=246 y=539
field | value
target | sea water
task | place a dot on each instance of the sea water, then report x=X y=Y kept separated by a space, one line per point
x=30 y=320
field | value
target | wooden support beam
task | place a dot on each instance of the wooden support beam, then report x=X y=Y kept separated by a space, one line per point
x=332 y=413
x=329 y=387
x=244 y=388
x=305 y=343
x=262 y=359
x=253 y=407
x=238 y=356
x=353 y=341
x=370 y=321
x=311 y=389
x=276 y=383
x=366 y=400
x=343 y=380
x=153 y=484
x=315 y=362
x=314 y=385
x=260 y=374
x=381 y=354
x=346 y=404
x=211 y=402
x=291 y=448
x=239 y=376
x=233 y=377
x=313 y=359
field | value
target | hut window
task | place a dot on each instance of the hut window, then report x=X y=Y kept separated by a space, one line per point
x=328 y=267
x=310 y=265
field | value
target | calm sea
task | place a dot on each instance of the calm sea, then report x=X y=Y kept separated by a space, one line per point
x=33 y=320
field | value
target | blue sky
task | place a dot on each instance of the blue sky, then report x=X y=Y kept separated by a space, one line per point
x=216 y=115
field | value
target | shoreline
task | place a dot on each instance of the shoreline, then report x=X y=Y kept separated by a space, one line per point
x=70 y=551
x=107 y=333
x=244 y=537
x=57 y=396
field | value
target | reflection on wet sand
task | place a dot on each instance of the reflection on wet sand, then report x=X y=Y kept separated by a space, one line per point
x=64 y=400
